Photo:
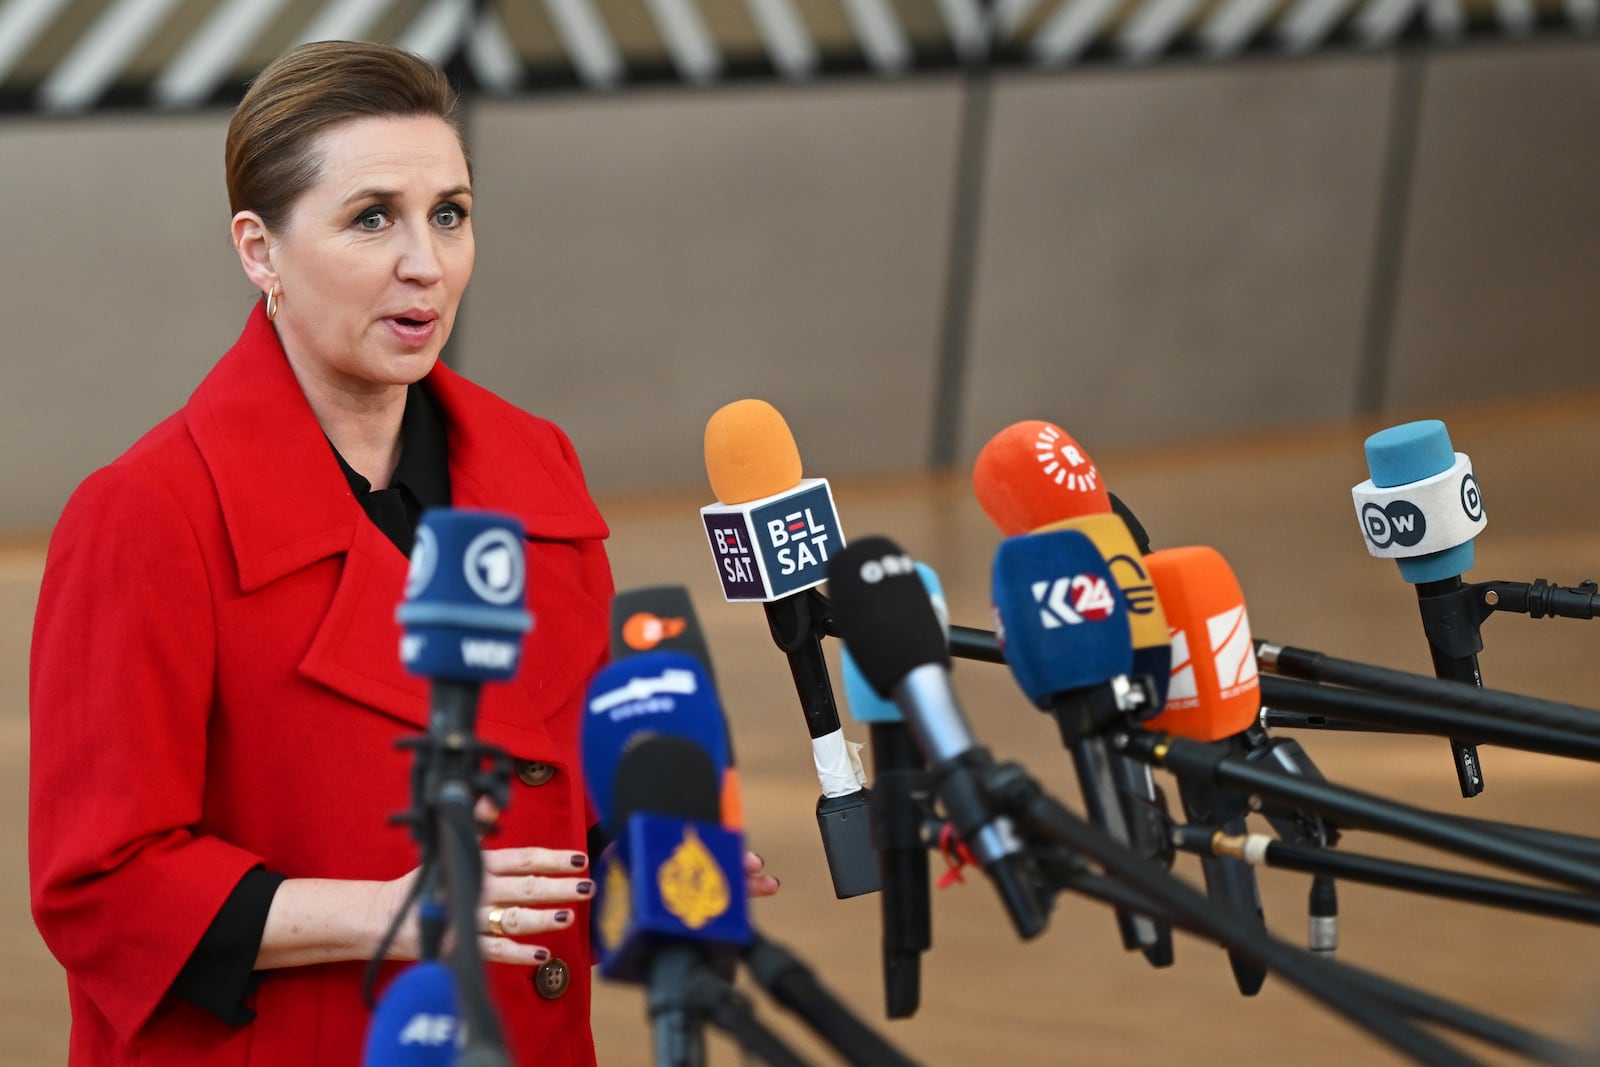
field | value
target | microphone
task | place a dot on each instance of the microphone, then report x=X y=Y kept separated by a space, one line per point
x=651 y=694
x=1032 y=477
x=1422 y=508
x=1063 y=627
x=670 y=903
x=772 y=534
x=899 y=792
x=662 y=617
x=417 y=1023
x=887 y=621
x=463 y=620
x=1214 y=696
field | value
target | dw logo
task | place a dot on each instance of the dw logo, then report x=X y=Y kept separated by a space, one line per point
x=1471 y=499
x=1070 y=601
x=1400 y=523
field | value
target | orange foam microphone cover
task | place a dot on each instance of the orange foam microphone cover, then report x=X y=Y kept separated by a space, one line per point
x=1033 y=473
x=1215 y=691
x=750 y=452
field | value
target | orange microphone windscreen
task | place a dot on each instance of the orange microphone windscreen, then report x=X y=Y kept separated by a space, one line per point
x=1215 y=690
x=1031 y=474
x=750 y=452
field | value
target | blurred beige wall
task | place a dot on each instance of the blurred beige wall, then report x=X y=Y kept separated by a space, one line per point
x=1161 y=254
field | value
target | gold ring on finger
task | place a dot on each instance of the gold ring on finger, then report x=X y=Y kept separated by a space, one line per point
x=495 y=915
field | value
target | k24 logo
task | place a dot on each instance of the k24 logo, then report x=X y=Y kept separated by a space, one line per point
x=1070 y=601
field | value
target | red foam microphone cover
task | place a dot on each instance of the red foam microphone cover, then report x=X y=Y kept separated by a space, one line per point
x=1215 y=690
x=1031 y=474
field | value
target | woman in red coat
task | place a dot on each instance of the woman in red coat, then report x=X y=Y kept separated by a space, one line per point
x=216 y=690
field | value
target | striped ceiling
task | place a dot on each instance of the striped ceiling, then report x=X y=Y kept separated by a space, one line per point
x=64 y=56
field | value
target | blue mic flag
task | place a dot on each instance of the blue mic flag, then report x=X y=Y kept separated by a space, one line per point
x=655 y=693
x=463 y=612
x=417 y=1023
x=1060 y=614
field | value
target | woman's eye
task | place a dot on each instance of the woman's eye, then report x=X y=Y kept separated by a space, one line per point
x=449 y=215
x=371 y=219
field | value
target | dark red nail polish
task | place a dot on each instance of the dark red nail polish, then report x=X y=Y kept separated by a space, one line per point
x=580 y=860
x=541 y=955
x=563 y=916
x=585 y=888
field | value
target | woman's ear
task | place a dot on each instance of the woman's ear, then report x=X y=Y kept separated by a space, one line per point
x=253 y=242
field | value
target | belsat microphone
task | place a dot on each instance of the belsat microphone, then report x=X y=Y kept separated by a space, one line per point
x=670 y=898
x=418 y=1021
x=1033 y=473
x=772 y=534
x=662 y=618
x=1214 y=696
x=888 y=623
x=1063 y=626
x=651 y=694
x=1422 y=508
x=899 y=789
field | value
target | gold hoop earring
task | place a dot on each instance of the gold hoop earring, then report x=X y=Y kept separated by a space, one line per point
x=272 y=304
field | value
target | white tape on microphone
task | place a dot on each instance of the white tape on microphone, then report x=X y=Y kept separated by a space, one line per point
x=1419 y=519
x=838 y=761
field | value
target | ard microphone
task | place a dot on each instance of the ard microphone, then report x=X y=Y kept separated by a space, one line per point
x=888 y=623
x=1214 y=696
x=772 y=534
x=899 y=790
x=418 y=1021
x=1422 y=508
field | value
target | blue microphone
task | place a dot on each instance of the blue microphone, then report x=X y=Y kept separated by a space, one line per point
x=1422 y=508
x=670 y=904
x=418 y=1021
x=642 y=696
x=463 y=611
x=1062 y=619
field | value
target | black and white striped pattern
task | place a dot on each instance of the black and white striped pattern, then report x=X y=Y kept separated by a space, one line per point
x=66 y=56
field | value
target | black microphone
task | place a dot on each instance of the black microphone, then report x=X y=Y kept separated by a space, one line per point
x=884 y=615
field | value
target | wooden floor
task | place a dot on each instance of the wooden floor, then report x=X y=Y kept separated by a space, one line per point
x=1279 y=509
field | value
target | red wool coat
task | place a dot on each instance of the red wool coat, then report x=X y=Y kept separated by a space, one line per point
x=216 y=685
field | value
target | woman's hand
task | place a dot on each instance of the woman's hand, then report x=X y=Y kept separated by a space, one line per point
x=525 y=893
x=756 y=883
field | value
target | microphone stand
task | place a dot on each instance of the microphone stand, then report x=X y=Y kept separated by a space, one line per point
x=448 y=776
x=684 y=994
x=797 y=623
x=1394 y=874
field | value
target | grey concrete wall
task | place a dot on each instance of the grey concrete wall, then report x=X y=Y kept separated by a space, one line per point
x=1163 y=254
x=1498 y=279
x=1176 y=253
x=649 y=260
x=118 y=289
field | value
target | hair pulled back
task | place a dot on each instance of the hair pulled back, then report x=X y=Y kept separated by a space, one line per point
x=270 y=151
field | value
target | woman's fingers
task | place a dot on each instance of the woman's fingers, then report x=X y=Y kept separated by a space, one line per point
x=533 y=861
x=512 y=921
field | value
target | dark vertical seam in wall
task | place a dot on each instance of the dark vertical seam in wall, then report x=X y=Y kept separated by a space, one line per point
x=972 y=151
x=1388 y=254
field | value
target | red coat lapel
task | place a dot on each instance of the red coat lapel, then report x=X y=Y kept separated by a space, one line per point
x=286 y=505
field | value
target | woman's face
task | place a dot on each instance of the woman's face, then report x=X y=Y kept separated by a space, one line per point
x=372 y=260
